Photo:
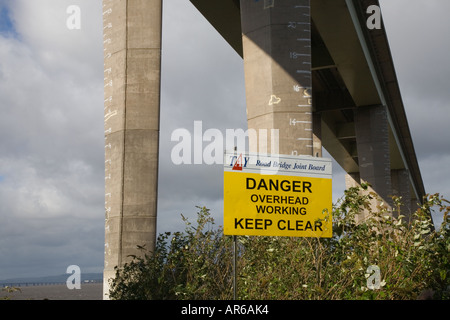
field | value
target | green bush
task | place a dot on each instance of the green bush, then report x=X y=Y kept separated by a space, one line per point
x=195 y=264
x=413 y=259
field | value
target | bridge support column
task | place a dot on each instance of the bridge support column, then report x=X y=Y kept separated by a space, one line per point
x=372 y=138
x=276 y=37
x=353 y=180
x=401 y=188
x=317 y=135
x=132 y=46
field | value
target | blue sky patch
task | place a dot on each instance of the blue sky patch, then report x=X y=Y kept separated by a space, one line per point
x=6 y=25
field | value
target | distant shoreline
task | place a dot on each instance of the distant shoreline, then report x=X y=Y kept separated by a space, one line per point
x=88 y=291
x=42 y=283
x=49 y=280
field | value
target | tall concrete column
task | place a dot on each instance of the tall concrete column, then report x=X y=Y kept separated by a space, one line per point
x=372 y=138
x=353 y=180
x=132 y=48
x=401 y=188
x=317 y=135
x=276 y=38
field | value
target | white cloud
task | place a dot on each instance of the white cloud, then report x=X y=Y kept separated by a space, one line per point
x=419 y=45
x=418 y=42
x=202 y=79
x=51 y=128
x=69 y=53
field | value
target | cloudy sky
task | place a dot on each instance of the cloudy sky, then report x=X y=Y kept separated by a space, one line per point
x=51 y=120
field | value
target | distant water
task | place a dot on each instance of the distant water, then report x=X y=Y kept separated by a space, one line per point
x=88 y=291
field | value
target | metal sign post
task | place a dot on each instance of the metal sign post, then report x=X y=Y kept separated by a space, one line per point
x=234 y=266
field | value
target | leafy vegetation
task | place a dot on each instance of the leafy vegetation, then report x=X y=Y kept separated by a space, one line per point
x=413 y=259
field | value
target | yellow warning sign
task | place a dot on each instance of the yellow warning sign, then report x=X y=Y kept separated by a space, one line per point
x=286 y=203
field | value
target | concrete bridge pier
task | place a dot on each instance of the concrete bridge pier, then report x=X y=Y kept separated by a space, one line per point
x=401 y=188
x=132 y=46
x=276 y=42
x=374 y=160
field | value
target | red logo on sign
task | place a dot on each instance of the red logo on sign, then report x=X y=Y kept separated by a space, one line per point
x=238 y=164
